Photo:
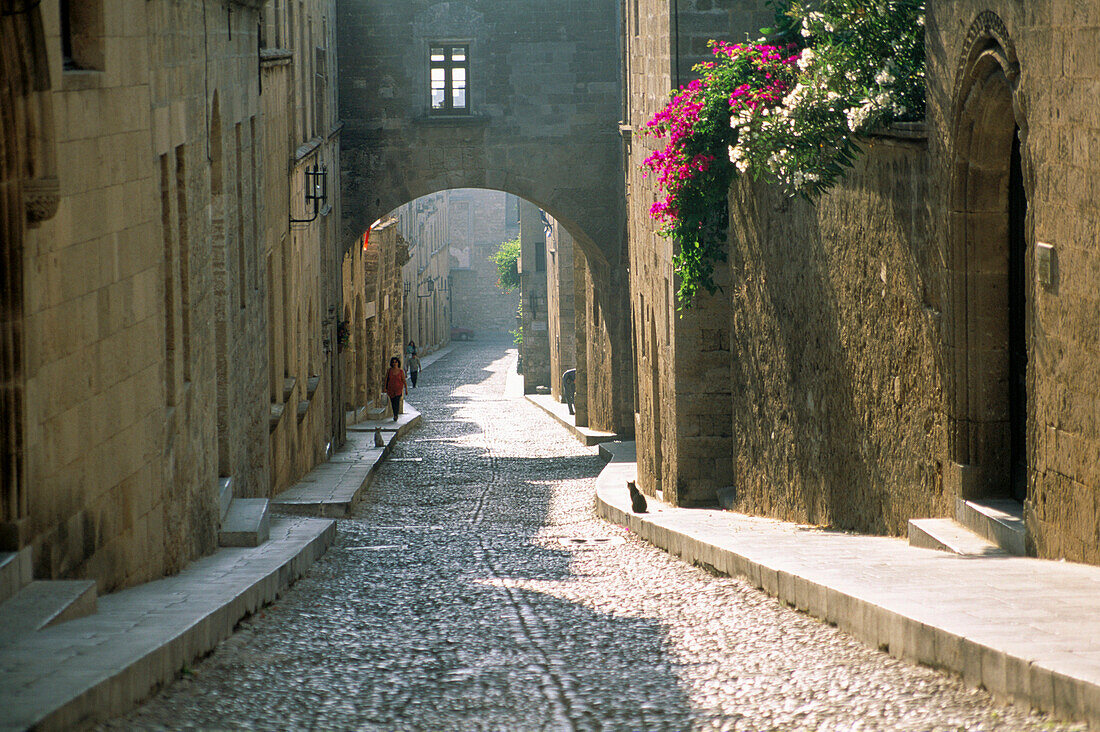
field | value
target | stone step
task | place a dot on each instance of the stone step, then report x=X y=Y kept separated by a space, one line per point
x=225 y=495
x=999 y=520
x=949 y=535
x=15 y=572
x=43 y=603
x=248 y=523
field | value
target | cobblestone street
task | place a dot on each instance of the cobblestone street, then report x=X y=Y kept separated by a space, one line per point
x=475 y=589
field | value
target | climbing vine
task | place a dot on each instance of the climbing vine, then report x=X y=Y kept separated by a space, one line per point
x=790 y=110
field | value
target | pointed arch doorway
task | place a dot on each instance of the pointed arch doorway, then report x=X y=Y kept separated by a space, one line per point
x=989 y=271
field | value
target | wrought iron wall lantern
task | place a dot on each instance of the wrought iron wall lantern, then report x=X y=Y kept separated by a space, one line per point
x=316 y=193
x=430 y=287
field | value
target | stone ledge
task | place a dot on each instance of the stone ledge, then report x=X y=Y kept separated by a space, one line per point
x=999 y=622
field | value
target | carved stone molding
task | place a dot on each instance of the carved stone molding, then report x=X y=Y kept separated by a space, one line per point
x=987 y=35
x=41 y=198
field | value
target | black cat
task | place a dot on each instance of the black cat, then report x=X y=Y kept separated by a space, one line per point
x=637 y=500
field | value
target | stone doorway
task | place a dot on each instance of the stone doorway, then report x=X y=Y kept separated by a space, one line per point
x=988 y=275
x=28 y=196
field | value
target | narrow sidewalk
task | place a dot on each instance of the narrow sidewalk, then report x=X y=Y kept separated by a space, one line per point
x=1027 y=630
x=79 y=672
x=560 y=412
x=76 y=673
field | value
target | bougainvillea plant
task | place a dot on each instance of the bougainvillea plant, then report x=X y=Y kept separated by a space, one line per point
x=790 y=110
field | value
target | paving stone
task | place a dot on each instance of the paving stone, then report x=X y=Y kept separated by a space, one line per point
x=450 y=602
x=963 y=613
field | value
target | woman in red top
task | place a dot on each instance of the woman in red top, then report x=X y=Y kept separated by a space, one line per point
x=395 y=385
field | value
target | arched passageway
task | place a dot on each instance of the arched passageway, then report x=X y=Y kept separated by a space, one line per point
x=523 y=98
x=451 y=286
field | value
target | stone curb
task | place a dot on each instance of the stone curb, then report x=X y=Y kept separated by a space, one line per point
x=90 y=669
x=560 y=412
x=1006 y=659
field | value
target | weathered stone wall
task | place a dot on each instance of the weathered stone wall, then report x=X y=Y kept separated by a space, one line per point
x=562 y=317
x=480 y=221
x=535 y=349
x=304 y=378
x=1049 y=52
x=682 y=400
x=372 y=289
x=837 y=389
x=148 y=324
x=140 y=292
x=424 y=224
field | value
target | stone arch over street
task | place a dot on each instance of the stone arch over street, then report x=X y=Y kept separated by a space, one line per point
x=988 y=265
x=533 y=97
x=544 y=130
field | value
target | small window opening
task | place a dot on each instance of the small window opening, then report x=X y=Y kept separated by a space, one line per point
x=81 y=26
x=450 y=66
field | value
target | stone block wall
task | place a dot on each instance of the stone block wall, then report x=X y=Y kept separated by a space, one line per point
x=148 y=322
x=535 y=349
x=837 y=382
x=1049 y=52
x=127 y=424
x=305 y=295
x=480 y=221
x=681 y=399
x=561 y=315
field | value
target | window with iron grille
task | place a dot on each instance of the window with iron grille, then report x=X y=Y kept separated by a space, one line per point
x=450 y=67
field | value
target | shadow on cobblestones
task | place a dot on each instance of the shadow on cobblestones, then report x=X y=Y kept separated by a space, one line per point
x=454 y=599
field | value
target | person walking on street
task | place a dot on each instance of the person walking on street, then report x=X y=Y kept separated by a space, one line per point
x=410 y=351
x=395 y=385
x=569 y=388
x=414 y=368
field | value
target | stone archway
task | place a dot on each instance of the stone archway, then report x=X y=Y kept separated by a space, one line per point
x=28 y=196
x=542 y=102
x=989 y=259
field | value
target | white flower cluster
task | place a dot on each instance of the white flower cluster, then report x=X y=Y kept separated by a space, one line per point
x=812 y=19
x=836 y=94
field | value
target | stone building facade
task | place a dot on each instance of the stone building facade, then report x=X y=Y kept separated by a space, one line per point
x=425 y=225
x=921 y=333
x=302 y=252
x=132 y=301
x=535 y=347
x=682 y=402
x=945 y=355
x=561 y=316
x=480 y=221
x=372 y=286
x=1013 y=143
x=157 y=296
